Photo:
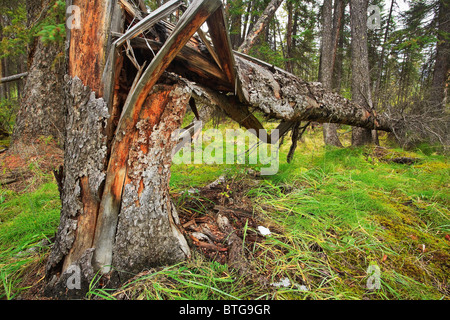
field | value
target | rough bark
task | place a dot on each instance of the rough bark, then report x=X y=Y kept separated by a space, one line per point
x=42 y=111
x=135 y=151
x=84 y=160
x=382 y=54
x=361 y=93
x=281 y=95
x=86 y=149
x=147 y=233
x=328 y=51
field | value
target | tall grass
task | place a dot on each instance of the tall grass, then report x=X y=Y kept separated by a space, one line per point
x=332 y=213
x=25 y=220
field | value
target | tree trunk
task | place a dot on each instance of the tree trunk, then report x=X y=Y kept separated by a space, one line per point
x=2 y=86
x=361 y=93
x=328 y=52
x=283 y=96
x=441 y=73
x=246 y=19
x=236 y=23
x=289 y=31
x=381 y=63
x=42 y=108
x=260 y=25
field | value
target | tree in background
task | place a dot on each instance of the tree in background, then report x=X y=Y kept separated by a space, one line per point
x=14 y=37
x=441 y=73
x=413 y=81
x=41 y=110
x=331 y=23
x=361 y=87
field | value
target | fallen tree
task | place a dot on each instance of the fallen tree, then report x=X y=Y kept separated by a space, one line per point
x=126 y=94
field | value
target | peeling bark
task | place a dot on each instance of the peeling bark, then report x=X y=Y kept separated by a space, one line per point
x=84 y=158
x=147 y=233
x=284 y=96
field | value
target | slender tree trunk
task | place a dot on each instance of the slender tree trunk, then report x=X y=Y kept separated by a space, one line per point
x=246 y=19
x=289 y=31
x=236 y=23
x=260 y=25
x=2 y=86
x=294 y=48
x=361 y=93
x=328 y=50
x=441 y=73
x=381 y=63
x=6 y=73
x=42 y=111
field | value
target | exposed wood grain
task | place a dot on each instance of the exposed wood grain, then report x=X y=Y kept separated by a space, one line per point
x=86 y=225
x=147 y=22
x=87 y=47
x=221 y=41
x=220 y=38
x=192 y=19
x=188 y=61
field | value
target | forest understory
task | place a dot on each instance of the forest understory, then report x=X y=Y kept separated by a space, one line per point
x=331 y=213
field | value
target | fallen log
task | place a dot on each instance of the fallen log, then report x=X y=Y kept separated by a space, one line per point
x=284 y=96
x=14 y=77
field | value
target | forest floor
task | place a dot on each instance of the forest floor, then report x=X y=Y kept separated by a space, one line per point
x=334 y=215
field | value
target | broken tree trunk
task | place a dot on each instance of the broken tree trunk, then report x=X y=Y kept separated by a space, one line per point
x=147 y=233
x=127 y=159
x=117 y=217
